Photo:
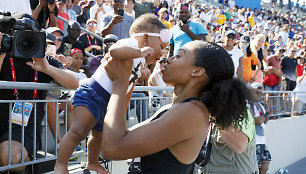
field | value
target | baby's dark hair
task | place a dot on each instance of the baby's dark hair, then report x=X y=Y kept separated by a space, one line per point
x=224 y=96
x=146 y=23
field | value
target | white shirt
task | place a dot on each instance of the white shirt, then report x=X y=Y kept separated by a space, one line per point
x=235 y=53
x=260 y=139
x=204 y=17
x=101 y=75
x=79 y=75
x=14 y=6
x=93 y=11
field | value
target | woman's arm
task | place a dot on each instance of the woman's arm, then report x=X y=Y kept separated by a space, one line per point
x=235 y=140
x=119 y=143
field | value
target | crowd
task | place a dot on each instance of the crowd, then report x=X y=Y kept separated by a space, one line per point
x=267 y=48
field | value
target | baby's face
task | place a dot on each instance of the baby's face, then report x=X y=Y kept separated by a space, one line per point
x=158 y=46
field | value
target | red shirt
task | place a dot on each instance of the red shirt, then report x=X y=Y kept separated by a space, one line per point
x=300 y=70
x=60 y=23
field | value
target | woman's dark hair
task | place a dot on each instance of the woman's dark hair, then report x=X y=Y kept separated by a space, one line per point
x=224 y=96
x=146 y=23
x=249 y=51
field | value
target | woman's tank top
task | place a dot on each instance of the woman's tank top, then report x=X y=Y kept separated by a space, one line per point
x=164 y=162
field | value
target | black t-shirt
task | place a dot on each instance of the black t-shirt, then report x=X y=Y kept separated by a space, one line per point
x=81 y=20
x=260 y=57
x=84 y=39
x=24 y=73
x=78 y=45
x=43 y=15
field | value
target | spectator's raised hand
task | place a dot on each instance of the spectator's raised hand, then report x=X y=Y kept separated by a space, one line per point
x=117 y=19
x=66 y=60
x=39 y=64
x=183 y=27
x=51 y=6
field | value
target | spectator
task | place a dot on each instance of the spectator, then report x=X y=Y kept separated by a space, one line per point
x=143 y=7
x=172 y=21
x=90 y=43
x=300 y=67
x=76 y=7
x=114 y=23
x=199 y=61
x=61 y=12
x=185 y=31
x=249 y=60
x=257 y=47
x=74 y=31
x=251 y=19
x=204 y=16
x=299 y=99
x=261 y=117
x=220 y=17
x=289 y=64
x=163 y=13
x=77 y=62
x=49 y=69
x=231 y=4
x=43 y=12
x=97 y=11
x=234 y=52
x=129 y=7
x=82 y=18
x=273 y=78
x=70 y=11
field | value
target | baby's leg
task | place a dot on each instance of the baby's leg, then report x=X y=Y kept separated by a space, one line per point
x=93 y=149
x=82 y=122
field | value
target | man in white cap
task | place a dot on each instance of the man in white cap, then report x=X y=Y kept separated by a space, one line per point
x=234 y=52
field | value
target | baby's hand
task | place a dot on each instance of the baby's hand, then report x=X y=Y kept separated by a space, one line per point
x=146 y=51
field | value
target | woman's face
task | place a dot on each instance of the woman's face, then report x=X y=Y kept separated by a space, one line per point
x=178 y=69
x=260 y=42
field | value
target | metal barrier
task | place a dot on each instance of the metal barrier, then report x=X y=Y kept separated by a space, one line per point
x=141 y=107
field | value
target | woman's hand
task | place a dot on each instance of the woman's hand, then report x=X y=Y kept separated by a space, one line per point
x=118 y=70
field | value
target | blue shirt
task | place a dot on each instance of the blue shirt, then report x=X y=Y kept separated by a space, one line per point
x=121 y=30
x=288 y=68
x=179 y=38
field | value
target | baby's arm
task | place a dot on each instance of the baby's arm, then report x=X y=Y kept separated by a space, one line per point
x=118 y=51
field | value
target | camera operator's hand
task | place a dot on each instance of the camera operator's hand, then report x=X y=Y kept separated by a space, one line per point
x=40 y=64
x=43 y=3
x=51 y=7
x=66 y=60
x=117 y=19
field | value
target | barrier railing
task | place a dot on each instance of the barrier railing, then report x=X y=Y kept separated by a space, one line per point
x=140 y=108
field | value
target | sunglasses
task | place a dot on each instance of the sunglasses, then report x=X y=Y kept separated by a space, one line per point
x=91 y=24
x=231 y=37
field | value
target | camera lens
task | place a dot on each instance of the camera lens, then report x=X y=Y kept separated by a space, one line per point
x=27 y=44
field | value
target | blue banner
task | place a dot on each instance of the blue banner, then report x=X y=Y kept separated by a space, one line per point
x=249 y=4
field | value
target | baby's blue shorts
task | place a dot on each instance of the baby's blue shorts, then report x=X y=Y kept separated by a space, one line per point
x=93 y=96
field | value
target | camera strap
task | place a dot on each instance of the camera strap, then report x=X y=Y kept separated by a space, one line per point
x=14 y=79
x=89 y=40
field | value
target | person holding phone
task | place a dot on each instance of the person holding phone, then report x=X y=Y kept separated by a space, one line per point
x=118 y=22
x=185 y=31
x=261 y=117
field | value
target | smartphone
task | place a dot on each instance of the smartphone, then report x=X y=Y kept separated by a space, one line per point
x=120 y=12
x=271 y=108
x=51 y=50
x=67 y=49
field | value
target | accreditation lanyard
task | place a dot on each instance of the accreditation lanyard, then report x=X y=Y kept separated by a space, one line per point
x=89 y=40
x=14 y=79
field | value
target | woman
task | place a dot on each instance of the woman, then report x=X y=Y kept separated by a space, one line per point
x=261 y=53
x=299 y=99
x=169 y=142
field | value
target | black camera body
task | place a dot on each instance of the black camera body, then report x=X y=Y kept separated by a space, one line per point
x=21 y=38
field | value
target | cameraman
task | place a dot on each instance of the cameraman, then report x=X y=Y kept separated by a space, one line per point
x=43 y=11
x=49 y=69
